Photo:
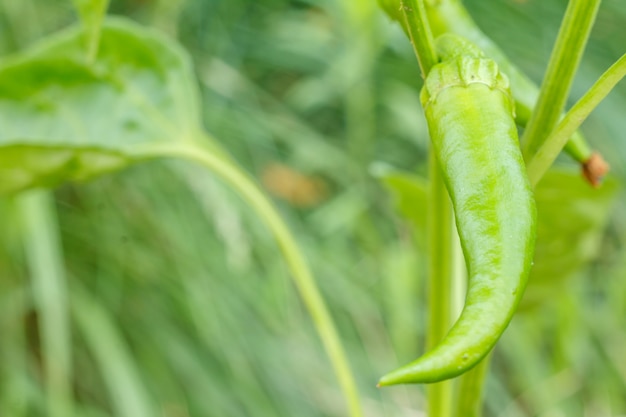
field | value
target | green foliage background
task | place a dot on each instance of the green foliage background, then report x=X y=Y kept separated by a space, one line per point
x=177 y=274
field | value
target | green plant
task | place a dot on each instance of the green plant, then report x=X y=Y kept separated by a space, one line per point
x=52 y=101
x=470 y=117
x=468 y=344
x=155 y=291
x=449 y=16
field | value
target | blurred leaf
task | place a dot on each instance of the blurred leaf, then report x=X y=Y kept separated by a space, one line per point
x=44 y=255
x=391 y=8
x=410 y=194
x=571 y=220
x=90 y=10
x=65 y=119
x=112 y=355
x=289 y=184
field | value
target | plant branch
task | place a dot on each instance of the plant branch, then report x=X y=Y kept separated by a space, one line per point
x=470 y=393
x=45 y=263
x=566 y=56
x=441 y=262
x=441 y=248
x=419 y=32
x=548 y=152
x=221 y=165
x=92 y=14
x=129 y=394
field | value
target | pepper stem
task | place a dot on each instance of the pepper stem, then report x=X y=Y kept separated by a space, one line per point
x=441 y=280
x=593 y=167
x=566 y=55
x=416 y=22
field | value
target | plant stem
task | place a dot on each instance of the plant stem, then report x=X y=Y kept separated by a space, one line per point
x=91 y=14
x=441 y=260
x=468 y=402
x=548 y=152
x=129 y=394
x=420 y=34
x=440 y=281
x=45 y=262
x=303 y=279
x=566 y=55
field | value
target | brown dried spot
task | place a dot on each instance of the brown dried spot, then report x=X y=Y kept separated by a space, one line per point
x=594 y=169
x=298 y=189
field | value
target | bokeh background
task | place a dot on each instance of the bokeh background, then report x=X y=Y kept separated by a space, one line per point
x=315 y=99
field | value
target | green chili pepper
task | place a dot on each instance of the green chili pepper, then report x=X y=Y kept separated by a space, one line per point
x=469 y=111
x=449 y=16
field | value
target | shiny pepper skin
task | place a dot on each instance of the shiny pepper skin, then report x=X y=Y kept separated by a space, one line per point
x=470 y=118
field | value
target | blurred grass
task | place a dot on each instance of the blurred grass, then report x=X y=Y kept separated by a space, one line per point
x=189 y=289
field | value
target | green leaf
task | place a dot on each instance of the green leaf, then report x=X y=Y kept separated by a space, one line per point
x=410 y=194
x=91 y=11
x=571 y=220
x=91 y=14
x=64 y=118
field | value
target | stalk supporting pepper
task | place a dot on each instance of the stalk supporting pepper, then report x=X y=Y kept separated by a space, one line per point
x=469 y=112
x=449 y=16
